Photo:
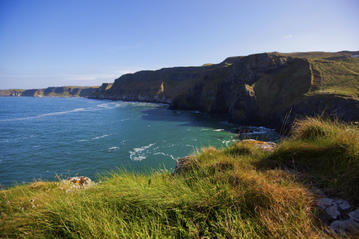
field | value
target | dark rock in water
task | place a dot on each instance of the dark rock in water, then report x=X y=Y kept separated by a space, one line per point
x=243 y=130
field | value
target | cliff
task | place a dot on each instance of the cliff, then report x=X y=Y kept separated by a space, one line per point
x=63 y=91
x=270 y=89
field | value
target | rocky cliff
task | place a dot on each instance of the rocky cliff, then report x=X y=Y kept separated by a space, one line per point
x=270 y=89
x=63 y=91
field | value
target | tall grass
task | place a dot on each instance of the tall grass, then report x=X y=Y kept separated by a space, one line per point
x=327 y=152
x=217 y=194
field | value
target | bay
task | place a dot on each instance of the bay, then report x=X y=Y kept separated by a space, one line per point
x=46 y=138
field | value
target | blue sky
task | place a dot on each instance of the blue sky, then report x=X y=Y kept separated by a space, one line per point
x=87 y=42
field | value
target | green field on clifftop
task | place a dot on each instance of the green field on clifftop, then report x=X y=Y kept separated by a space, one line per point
x=338 y=76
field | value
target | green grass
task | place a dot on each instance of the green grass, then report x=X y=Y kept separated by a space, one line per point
x=327 y=152
x=339 y=76
x=237 y=192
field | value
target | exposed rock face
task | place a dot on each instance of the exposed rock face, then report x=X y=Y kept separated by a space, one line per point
x=340 y=216
x=64 y=91
x=269 y=89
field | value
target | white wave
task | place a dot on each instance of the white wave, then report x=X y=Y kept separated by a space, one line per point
x=45 y=115
x=164 y=154
x=112 y=105
x=138 y=154
x=82 y=140
x=113 y=148
x=218 y=130
x=100 y=137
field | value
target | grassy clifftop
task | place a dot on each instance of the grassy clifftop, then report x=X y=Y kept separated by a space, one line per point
x=338 y=75
x=237 y=192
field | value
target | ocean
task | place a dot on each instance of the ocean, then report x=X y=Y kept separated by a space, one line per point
x=50 y=138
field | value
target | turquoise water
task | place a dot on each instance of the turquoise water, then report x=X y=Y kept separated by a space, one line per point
x=44 y=137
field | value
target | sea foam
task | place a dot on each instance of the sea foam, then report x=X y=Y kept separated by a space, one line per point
x=138 y=154
x=45 y=115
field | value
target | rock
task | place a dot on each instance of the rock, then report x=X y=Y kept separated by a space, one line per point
x=345 y=227
x=354 y=215
x=318 y=192
x=333 y=212
x=323 y=203
x=80 y=180
x=243 y=130
x=179 y=164
x=74 y=183
x=262 y=145
x=334 y=209
x=342 y=204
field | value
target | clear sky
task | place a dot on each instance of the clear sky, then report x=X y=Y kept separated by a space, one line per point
x=86 y=42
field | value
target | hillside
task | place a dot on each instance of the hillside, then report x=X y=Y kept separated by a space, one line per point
x=239 y=192
x=63 y=91
x=270 y=89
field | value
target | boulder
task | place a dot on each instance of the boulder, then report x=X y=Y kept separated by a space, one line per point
x=345 y=227
x=262 y=145
x=180 y=163
x=74 y=183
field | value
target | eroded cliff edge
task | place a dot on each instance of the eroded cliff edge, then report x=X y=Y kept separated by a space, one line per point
x=270 y=89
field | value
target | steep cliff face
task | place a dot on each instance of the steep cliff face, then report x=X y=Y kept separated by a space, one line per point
x=269 y=89
x=64 y=91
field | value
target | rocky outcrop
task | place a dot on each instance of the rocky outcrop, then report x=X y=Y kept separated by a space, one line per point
x=63 y=91
x=75 y=183
x=269 y=89
x=340 y=216
x=261 y=145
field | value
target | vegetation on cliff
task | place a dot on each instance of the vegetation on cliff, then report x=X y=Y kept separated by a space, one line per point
x=237 y=192
x=271 y=89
